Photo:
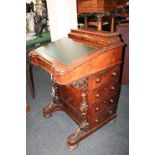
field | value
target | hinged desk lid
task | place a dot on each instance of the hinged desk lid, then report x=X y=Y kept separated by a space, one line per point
x=65 y=51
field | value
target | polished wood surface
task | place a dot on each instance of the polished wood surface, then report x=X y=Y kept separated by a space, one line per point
x=88 y=87
x=27 y=108
x=96 y=6
x=123 y=29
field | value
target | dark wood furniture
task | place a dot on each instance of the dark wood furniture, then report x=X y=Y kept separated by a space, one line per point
x=29 y=77
x=31 y=45
x=27 y=108
x=85 y=72
x=99 y=7
x=123 y=29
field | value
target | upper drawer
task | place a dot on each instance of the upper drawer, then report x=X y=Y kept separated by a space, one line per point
x=98 y=95
x=104 y=77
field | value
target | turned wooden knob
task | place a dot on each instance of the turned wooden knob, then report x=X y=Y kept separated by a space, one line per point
x=114 y=74
x=96 y=120
x=97 y=109
x=98 y=95
x=111 y=101
x=110 y=111
x=112 y=88
x=98 y=80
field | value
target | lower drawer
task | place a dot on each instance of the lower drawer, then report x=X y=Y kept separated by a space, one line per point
x=102 y=117
x=102 y=106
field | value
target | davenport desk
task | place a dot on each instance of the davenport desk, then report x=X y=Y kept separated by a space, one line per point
x=85 y=70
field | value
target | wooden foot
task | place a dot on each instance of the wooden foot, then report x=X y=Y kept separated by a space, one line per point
x=74 y=138
x=71 y=147
x=27 y=108
x=52 y=107
x=80 y=134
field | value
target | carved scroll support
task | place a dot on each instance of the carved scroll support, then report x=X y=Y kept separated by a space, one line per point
x=55 y=104
x=78 y=135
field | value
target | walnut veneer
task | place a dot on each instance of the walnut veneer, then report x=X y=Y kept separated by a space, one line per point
x=85 y=71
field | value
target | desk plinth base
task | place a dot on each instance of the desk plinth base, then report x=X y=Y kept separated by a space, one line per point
x=77 y=136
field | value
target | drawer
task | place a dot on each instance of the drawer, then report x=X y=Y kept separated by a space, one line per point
x=100 y=94
x=102 y=117
x=103 y=78
x=97 y=108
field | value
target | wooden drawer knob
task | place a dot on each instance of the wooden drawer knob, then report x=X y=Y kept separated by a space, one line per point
x=97 y=109
x=114 y=74
x=111 y=101
x=96 y=120
x=110 y=111
x=98 y=95
x=98 y=80
x=112 y=88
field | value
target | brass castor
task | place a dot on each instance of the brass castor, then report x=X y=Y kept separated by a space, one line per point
x=72 y=147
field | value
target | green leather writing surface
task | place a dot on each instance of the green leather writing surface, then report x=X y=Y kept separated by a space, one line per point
x=65 y=50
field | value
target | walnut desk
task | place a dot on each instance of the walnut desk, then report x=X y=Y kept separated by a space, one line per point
x=85 y=68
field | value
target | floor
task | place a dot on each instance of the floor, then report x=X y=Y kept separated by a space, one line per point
x=47 y=136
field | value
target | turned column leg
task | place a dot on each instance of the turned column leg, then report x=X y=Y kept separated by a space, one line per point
x=55 y=104
x=79 y=134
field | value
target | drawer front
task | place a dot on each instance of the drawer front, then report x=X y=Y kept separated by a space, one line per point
x=97 y=108
x=103 y=78
x=102 y=117
x=103 y=92
x=113 y=74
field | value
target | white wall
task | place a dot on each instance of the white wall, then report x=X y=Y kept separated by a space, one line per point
x=28 y=1
x=62 y=17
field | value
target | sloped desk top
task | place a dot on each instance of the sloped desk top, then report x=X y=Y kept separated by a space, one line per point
x=82 y=53
x=65 y=50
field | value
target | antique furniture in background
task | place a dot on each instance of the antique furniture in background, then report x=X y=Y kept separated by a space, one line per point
x=85 y=71
x=29 y=77
x=31 y=44
x=27 y=108
x=123 y=29
x=100 y=8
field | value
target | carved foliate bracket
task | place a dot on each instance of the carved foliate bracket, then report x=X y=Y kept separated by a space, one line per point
x=55 y=104
x=81 y=84
x=54 y=94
